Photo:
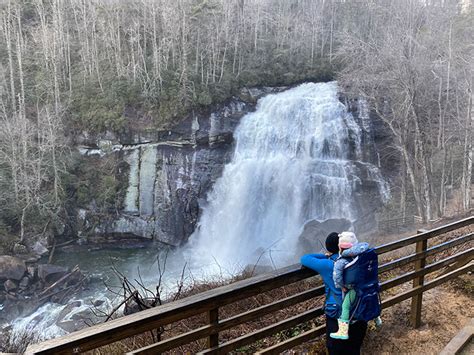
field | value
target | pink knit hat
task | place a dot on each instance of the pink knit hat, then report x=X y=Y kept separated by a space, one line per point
x=347 y=240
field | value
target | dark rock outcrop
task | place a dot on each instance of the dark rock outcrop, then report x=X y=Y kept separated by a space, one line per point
x=50 y=273
x=169 y=173
x=11 y=268
x=314 y=233
x=20 y=297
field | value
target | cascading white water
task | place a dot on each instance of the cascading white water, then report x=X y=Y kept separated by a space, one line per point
x=291 y=165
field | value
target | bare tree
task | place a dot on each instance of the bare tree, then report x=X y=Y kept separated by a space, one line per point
x=392 y=68
x=410 y=58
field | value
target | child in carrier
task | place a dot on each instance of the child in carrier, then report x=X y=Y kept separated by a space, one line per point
x=349 y=249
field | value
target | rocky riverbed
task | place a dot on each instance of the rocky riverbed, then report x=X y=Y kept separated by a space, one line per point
x=28 y=286
x=39 y=301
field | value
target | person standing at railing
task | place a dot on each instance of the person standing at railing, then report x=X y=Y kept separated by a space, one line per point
x=350 y=249
x=323 y=264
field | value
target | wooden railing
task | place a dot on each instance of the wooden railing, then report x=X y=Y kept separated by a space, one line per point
x=210 y=302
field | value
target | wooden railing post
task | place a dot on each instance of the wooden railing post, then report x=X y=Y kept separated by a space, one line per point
x=417 y=300
x=213 y=319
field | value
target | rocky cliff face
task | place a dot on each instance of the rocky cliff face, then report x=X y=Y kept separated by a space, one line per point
x=169 y=172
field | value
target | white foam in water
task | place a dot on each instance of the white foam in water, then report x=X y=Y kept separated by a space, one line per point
x=41 y=325
x=44 y=323
x=291 y=165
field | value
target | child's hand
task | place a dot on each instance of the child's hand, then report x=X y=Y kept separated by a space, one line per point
x=328 y=254
x=344 y=290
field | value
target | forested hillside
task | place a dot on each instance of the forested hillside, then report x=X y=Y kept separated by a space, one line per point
x=73 y=66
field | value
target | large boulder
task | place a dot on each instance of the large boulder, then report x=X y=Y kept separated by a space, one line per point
x=50 y=273
x=11 y=268
x=314 y=234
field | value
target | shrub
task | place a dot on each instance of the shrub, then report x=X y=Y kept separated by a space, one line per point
x=94 y=179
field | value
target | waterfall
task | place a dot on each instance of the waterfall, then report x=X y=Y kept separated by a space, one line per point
x=297 y=158
x=292 y=164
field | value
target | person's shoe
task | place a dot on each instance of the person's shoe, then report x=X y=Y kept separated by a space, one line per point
x=343 y=331
x=378 y=322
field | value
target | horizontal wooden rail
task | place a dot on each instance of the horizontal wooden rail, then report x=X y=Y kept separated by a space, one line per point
x=423 y=236
x=427 y=286
x=264 y=332
x=294 y=341
x=426 y=270
x=210 y=301
x=430 y=251
x=230 y=322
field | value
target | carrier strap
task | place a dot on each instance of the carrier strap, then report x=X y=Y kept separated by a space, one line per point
x=352 y=262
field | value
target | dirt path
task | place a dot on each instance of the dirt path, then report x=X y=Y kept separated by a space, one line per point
x=445 y=311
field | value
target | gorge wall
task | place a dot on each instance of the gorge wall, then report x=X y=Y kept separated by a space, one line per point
x=168 y=173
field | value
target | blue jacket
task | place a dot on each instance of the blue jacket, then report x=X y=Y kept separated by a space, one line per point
x=324 y=266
